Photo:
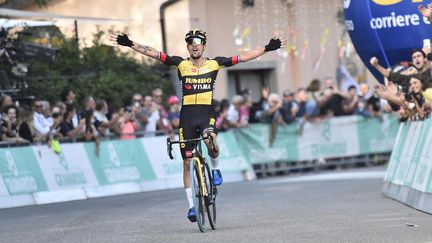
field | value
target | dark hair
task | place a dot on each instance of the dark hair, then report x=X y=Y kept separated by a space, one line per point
x=64 y=94
x=8 y=107
x=314 y=86
x=352 y=87
x=418 y=50
x=100 y=104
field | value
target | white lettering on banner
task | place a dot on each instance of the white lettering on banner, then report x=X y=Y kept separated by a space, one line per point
x=71 y=169
x=396 y=21
x=70 y=179
x=329 y=149
x=258 y=155
x=25 y=184
x=122 y=174
x=349 y=25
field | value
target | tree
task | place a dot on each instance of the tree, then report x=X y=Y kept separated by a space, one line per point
x=100 y=71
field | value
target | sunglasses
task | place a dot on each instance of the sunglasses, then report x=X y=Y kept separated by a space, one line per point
x=195 y=41
x=158 y=96
x=137 y=100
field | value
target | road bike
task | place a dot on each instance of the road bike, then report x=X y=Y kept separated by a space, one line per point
x=203 y=191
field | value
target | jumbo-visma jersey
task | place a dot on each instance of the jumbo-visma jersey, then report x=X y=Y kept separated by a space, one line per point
x=198 y=83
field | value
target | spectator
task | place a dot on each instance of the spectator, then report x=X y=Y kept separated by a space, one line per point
x=40 y=123
x=333 y=103
x=244 y=111
x=233 y=115
x=271 y=115
x=140 y=113
x=258 y=106
x=289 y=107
x=174 y=112
x=163 y=122
x=89 y=104
x=350 y=103
x=127 y=125
x=5 y=100
x=90 y=132
x=67 y=128
x=68 y=97
x=152 y=114
x=26 y=130
x=314 y=101
x=9 y=125
x=300 y=100
x=222 y=123
x=101 y=123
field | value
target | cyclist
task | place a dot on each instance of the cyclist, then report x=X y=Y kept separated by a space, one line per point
x=197 y=76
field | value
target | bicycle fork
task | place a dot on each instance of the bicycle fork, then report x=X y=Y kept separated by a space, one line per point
x=201 y=176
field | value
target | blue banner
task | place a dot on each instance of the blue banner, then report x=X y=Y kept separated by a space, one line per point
x=387 y=29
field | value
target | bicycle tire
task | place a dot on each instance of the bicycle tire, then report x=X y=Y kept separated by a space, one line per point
x=211 y=201
x=198 y=199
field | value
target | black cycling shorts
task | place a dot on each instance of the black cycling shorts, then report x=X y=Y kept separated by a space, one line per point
x=194 y=119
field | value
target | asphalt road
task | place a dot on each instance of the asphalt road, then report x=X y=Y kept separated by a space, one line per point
x=335 y=207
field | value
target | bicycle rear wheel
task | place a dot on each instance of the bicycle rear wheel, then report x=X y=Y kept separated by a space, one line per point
x=197 y=196
x=211 y=198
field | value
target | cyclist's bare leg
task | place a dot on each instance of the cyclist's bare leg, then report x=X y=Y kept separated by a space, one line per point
x=211 y=153
x=186 y=173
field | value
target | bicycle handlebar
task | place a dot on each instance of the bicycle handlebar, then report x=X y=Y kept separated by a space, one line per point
x=170 y=143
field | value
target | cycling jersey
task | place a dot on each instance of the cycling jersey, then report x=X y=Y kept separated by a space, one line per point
x=198 y=83
x=197 y=112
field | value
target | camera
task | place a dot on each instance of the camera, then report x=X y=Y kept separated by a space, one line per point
x=55 y=115
x=409 y=96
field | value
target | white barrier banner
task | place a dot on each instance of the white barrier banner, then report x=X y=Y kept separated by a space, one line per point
x=3 y=189
x=69 y=169
x=329 y=139
x=163 y=166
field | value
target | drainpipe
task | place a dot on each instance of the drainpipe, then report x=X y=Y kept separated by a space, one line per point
x=162 y=21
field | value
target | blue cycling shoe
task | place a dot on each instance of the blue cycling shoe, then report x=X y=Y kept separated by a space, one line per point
x=217 y=177
x=191 y=214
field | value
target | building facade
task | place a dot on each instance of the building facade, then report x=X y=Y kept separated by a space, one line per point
x=312 y=28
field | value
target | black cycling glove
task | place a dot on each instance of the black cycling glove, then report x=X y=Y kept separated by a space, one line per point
x=274 y=44
x=124 y=40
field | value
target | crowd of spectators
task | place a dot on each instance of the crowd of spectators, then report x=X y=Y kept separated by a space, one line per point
x=146 y=115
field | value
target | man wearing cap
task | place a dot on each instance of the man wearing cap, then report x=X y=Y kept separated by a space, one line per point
x=197 y=76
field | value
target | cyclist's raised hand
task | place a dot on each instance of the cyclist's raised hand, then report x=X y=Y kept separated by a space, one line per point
x=277 y=41
x=121 y=39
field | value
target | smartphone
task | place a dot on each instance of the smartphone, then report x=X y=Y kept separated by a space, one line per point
x=426 y=42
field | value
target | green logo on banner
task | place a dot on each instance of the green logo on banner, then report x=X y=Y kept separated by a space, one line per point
x=68 y=178
x=326 y=132
x=20 y=171
x=120 y=161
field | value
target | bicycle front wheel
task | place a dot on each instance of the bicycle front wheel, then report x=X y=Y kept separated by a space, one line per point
x=211 y=197
x=197 y=196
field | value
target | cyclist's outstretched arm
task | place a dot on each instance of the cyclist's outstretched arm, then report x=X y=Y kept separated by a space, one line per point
x=123 y=39
x=275 y=43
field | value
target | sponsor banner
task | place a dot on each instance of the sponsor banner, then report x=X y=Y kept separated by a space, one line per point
x=411 y=141
x=332 y=138
x=163 y=166
x=3 y=189
x=69 y=169
x=395 y=157
x=411 y=161
x=254 y=142
x=231 y=158
x=119 y=161
x=20 y=171
x=377 y=136
x=424 y=159
x=387 y=29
